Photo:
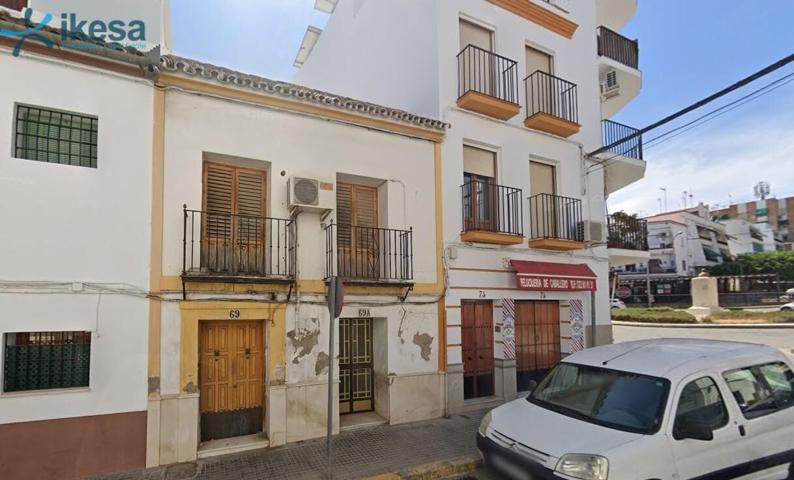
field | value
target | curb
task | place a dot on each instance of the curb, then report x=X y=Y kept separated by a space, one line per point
x=432 y=471
x=704 y=325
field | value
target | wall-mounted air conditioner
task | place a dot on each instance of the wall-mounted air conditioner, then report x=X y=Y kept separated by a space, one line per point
x=310 y=194
x=609 y=85
x=594 y=232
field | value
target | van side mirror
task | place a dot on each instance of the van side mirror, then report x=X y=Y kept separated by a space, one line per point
x=693 y=430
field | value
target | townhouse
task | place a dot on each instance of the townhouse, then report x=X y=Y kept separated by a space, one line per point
x=528 y=89
x=75 y=177
x=263 y=191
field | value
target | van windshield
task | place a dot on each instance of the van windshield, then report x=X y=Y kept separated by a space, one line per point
x=621 y=400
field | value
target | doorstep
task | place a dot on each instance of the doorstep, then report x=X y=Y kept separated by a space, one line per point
x=225 y=446
x=354 y=421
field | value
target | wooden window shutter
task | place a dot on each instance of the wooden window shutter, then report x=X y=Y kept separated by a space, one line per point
x=218 y=200
x=356 y=205
x=250 y=205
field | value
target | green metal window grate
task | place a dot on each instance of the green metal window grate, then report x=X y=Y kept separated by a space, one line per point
x=56 y=137
x=46 y=360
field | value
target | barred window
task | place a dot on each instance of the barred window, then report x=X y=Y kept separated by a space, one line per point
x=46 y=360
x=55 y=137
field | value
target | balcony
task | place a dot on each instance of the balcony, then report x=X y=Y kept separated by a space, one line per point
x=491 y=213
x=627 y=240
x=619 y=48
x=555 y=222
x=552 y=104
x=237 y=248
x=369 y=254
x=623 y=162
x=618 y=70
x=487 y=83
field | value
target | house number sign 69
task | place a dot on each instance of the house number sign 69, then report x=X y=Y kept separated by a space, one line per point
x=234 y=313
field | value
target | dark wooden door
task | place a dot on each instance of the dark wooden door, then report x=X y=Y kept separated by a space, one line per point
x=355 y=366
x=477 y=336
x=231 y=373
x=537 y=340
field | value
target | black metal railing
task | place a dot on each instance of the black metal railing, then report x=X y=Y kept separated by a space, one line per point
x=613 y=45
x=229 y=245
x=492 y=208
x=369 y=253
x=551 y=95
x=485 y=72
x=612 y=132
x=627 y=232
x=555 y=217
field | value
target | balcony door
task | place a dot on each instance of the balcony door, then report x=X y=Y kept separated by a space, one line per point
x=479 y=190
x=543 y=213
x=479 y=68
x=233 y=223
x=539 y=92
x=358 y=237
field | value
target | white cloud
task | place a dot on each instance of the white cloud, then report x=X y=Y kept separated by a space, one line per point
x=724 y=157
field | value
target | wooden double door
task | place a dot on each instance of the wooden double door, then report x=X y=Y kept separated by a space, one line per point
x=477 y=346
x=537 y=340
x=231 y=376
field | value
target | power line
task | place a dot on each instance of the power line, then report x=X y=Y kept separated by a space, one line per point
x=763 y=72
x=754 y=95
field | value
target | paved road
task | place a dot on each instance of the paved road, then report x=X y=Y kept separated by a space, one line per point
x=782 y=338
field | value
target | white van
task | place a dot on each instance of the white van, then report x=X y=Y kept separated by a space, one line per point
x=650 y=409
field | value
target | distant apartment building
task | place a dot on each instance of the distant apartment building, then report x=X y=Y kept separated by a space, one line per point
x=743 y=236
x=777 y=212
x=682 y=243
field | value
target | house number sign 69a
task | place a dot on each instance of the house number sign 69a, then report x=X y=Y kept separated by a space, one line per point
x=234 y=313
x=364 y=313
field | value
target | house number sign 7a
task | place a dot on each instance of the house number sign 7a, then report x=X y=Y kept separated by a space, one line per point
x=234 y=313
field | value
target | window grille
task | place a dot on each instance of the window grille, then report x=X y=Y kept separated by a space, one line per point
x=55 y=137
x=46 y=360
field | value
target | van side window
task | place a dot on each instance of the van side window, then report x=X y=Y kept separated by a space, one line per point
x=701 y=402
x=762 y=389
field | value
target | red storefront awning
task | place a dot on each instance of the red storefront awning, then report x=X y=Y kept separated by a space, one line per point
x=554 y=277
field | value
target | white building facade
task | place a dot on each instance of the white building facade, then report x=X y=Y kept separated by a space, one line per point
x=268 y=190
x=75 y=176
x=525 y=89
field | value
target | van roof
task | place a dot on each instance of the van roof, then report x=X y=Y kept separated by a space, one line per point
x=671 y=358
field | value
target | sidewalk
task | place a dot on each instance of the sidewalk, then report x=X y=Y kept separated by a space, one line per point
x=357 y=454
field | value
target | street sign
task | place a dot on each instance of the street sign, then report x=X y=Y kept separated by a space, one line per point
x=623 y=292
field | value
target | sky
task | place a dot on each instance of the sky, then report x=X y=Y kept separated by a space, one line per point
x=689 y=49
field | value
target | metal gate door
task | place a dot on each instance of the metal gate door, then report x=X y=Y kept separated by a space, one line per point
x=477 y=336
x=355 y=365
x=231 y=373
x=537 y=340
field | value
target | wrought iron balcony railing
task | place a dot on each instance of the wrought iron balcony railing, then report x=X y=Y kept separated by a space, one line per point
x=619 y=48
x=487 y=73
x=369 y=254
x=551 y=95
x=556 y=218
x=492 y=208
x=223 y=245
x=627 y=232
x=612 y=132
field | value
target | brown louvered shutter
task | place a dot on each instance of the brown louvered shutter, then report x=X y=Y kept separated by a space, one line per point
x=250 y=204
x=344 y=213
x=218 y=200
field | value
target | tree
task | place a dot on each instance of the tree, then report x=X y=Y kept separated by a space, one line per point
x=780 y=262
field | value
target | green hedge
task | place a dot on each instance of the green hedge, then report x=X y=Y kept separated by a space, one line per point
x=766 y=317
x=652 y=315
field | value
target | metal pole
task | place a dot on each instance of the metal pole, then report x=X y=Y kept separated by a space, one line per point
x=330 y=423
x=648 y=283
x=592 y=318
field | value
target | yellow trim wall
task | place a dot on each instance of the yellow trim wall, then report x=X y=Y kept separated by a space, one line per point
x=193 y=312
x=156 y=253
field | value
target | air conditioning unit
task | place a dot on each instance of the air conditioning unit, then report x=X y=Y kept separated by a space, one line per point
x=593 y=232
x=310 y=194
x=610 y=86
